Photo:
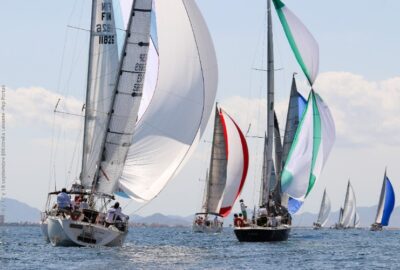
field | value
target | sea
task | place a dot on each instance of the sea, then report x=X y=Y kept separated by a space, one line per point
x=180 y=248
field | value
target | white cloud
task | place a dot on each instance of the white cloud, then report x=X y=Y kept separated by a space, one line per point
x=365 y=112
x=34 y=105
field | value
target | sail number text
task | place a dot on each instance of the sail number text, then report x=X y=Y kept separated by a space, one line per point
x=106 y=29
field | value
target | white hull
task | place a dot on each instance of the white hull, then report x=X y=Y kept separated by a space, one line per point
x=206 y=229
x=66 y=232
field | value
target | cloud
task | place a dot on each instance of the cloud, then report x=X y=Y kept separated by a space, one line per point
x=365 y=112
x=35 y=106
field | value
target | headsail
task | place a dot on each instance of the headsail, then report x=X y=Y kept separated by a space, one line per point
x=324 y=210
x=238 y=163
x=181 y=105
x=303 y=44
x=103 y=70
x=310 y=149
x=386 y=202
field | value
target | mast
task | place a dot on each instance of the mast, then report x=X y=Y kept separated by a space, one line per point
x=270 y=104
x=205 y=198
x=88 y=87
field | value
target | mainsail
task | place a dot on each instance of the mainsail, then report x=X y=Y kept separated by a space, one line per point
x=176 y=117
x=349 y=208
x=218 y=166
x=102 y=73
x=386 y=202
x=324 y=210
x=127 y=97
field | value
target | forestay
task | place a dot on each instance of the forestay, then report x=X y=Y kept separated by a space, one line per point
x=102 y=72
x=178 y=112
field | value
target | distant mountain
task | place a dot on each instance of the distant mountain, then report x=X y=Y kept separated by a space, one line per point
x=16 y=211
x=20 y=212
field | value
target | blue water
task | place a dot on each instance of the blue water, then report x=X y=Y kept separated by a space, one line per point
x=179 y=248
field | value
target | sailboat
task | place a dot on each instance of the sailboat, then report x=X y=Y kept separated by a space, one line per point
x=385 y=206
x=227 y=175
x=133 y=146
x=348 y=214
x=287 y=181
x=324 y=212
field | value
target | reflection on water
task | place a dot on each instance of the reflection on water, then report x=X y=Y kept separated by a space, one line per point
x=179 y=248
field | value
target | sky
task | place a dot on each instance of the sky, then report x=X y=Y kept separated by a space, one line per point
x=43 y=57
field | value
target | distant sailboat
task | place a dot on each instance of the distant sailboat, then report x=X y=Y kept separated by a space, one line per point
x=228 y=170
x=308 y=141
x=129 y=149
x=324 y=212
x=348 y=214
x=385 y=206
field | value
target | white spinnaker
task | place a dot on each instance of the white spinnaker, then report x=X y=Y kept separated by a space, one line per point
x=349 y=209
x=181 y=105
x=237 y=164
x=101 y=82
x=128 y=95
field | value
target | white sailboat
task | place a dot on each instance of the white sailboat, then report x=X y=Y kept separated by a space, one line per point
x=348 y=216
x=132 y=147
x=324 y=212
x=227 y=175
x=307 y=144
x=385 y=206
